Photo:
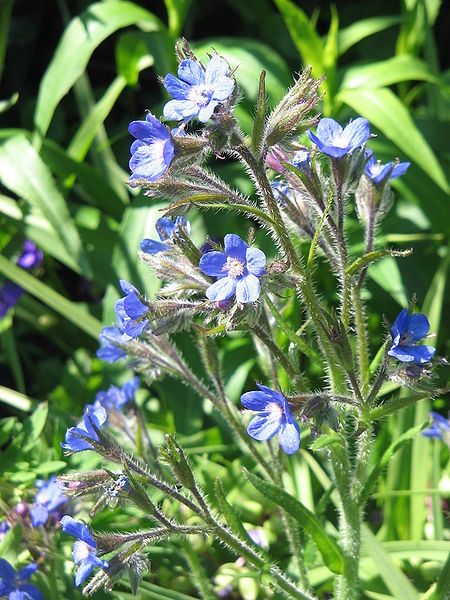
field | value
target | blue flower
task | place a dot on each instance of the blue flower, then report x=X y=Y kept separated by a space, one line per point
x=111 y=340
x=378 y=173
x=13 y=584
x=282 y=192
x=84 y=551
x=47 y=500
x=439 y=428
x=238 y=270
x=153 y=150
x=4 y=528
x=131 y=311
x=302 y=161
x=166 y=229
x=198 y=91
x=74 y=443
x=406 y=332
x=333 y=140
x=274 y=417
x=116 y=398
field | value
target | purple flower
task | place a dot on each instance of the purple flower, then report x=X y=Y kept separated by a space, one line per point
x=166 y=229
x=378 y=173
x=31 y=256
x=74 y=443
x=4 y=528
x=47 y=500
x=406 y=332
x=198 y=91
x=152 y=151
x=275 y=157
x=10 y=293
x=84 y=550
x=131 y=311
x=439 y=428
x=116 y=398
x=13 y=584
x=333 y=140
x=274 y=417
x=238 y=270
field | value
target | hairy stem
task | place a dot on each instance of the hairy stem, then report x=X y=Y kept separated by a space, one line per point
x=361 y=339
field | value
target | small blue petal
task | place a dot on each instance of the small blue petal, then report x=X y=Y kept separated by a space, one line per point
x=248 y=289
x=256 y=401
x=212 y=263
x=256 y=261
x=289 y=436
x=222 y=289
x=235 y=247
x=191 y=72
x=153 y=247
x=417 y=327
x=177 y=89
x=263 y=427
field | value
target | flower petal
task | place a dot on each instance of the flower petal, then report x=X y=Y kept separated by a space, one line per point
x=178 y=110
x=417 y=327
x=328 y=131
x=334 y=151
x=177 y=89
x=417 y=354
x=263 y=428
x=256 y=261
x=153 y=247
x=84 y=570
x=255 y=400
x=152 y=161
x=191 y=71
x=355 y=134
x=25 y=573
x=399 y=325
x=235 y=246
x=212 y=264
x=39 y=515
x=289 y=437
x=223 y=88
x=399 y=170
x=248 y=289
x=31 y=592
x=205 y=113
x=78 y=530
x=272 y=393
x=7 y=573
x=165 y=228
x=216 y=69
x=134 y=308
x=222 y=289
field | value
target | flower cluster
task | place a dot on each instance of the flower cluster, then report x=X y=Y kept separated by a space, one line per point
x=48 y=501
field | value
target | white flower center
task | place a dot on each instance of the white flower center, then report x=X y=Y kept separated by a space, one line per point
x=200 y=95
x=234 y=266
x=81 y=550
x=275 y=411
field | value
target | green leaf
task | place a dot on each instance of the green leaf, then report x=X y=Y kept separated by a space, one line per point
x=386 y=112
x=80 y=39
x=388 y=454
x=85 y=135
x=356 y=32
x=387 y=72
x=138 y=222
x=38 y=188
x=443 y=583
x=387 y=275
x=176 y=13
x=260 y=114
x=71 y=311
x=396 y=582
x=7 y=104
x=303 y=34
x=49 y=467
x=5 y=16
x=371 y=257
x=307 y=520
x=34 y=425
x=15 y=399
x=10 y=544
x=133 y=56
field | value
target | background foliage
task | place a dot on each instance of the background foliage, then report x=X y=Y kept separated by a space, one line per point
x=73 y=75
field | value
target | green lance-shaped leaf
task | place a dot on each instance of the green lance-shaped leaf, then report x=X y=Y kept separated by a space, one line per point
x=382 y=463
x=37 y=187
x=328 y=548
x=260 y=115
x=386 y=112
x=73 y=312
x=356 y=32
x=213 y=201
x=82 y=36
